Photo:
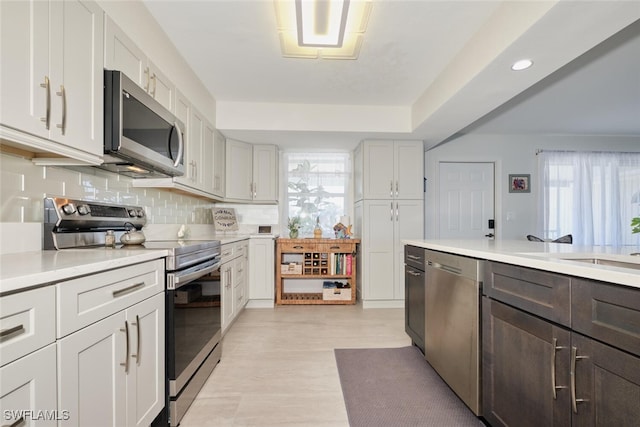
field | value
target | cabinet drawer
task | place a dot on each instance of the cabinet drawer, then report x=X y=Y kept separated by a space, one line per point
x=88 y=299
x=241 y=249
x=539 y=292
x=414 y=257
x=27 y=322
x=29 y=386
x=606 y=312
x=227 y=252
x=336 y=247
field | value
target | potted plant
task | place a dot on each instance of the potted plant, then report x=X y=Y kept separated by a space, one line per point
x=294 y=226
x=635 y=225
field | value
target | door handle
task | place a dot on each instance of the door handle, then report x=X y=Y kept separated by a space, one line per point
x=489 y=235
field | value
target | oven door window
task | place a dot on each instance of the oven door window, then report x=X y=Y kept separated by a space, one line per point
x=195 y=309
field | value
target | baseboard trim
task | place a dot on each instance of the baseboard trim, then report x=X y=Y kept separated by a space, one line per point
x=260 y=303
x=383 y=303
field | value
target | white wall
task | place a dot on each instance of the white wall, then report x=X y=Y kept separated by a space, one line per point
x=512 y=154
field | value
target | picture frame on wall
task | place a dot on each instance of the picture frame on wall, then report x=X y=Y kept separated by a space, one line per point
x=519 y=183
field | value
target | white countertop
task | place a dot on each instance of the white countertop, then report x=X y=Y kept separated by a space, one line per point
x=30 y=269
x=546 y=256
x=25 y=270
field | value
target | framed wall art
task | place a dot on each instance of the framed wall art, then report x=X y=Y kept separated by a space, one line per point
x=519 y=183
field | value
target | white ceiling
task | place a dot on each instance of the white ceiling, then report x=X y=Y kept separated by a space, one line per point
x=426 y=70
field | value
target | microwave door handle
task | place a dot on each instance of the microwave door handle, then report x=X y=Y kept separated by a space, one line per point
x=180 y=146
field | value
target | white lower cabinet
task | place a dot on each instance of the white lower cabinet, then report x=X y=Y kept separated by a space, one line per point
x=112 y=372
x=261 y=273
x=28 y=390
x=383 y=224
x=233 y=280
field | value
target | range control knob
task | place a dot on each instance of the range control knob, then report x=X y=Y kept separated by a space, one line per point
x=68 y=209
x=84 y=209
x=140 y=213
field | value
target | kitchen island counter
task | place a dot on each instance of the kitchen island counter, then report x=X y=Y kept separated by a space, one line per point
x=555 y=257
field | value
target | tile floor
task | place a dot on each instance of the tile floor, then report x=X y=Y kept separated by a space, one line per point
x=278 y=367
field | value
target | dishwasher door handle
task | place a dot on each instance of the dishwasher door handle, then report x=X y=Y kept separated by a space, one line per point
x=444 y=267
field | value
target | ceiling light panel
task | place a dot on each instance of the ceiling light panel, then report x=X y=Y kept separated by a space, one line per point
x=321 y=23
x=355 y=21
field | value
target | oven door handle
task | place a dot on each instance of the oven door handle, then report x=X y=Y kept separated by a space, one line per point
x=179 y=279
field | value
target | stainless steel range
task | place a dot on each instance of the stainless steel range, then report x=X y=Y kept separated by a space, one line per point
x=193 y=304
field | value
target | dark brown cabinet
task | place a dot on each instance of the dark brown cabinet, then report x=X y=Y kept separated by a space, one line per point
x=414 y=294
x=525 y=368
x=570 y=361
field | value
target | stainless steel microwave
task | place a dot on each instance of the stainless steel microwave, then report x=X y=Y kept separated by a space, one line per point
x=142 y=139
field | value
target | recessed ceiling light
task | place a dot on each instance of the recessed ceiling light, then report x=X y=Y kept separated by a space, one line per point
x=523 y=64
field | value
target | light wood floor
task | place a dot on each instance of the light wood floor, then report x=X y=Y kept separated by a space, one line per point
x=278 y=367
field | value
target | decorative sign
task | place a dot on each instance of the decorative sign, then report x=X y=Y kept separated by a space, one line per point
x=225 y=219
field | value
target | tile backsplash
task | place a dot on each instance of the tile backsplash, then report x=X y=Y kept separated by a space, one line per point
x=24 y=185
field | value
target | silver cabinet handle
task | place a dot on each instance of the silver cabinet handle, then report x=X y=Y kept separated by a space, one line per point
x=391 y=211
x=574 y=358
x=397 y=212
x=155 y=84
x=255 y=190
x=126 y=355
x=555 y=348
x=63 y=122
x=6 y=333
x=128 y=289
x=146 y=85
x=414 y=273
x=391 y=188
x=137 y=355
x=397 y=193
x=414 y=257
x=47 y=118
x=19 y=422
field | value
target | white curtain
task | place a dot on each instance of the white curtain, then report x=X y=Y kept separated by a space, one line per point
x=591 y=195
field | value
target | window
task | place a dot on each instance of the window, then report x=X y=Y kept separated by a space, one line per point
x=317 y=187
x=591 y=195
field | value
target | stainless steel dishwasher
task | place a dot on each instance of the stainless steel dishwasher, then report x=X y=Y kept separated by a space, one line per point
x=452 y=323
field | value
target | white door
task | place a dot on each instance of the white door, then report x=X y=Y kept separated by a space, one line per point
x=239 y=171
x=378 y=239
x=265 y=164
x=145 y=380
x=77 y=69
x=92 y=378
x=465 y=200
x=24 y=69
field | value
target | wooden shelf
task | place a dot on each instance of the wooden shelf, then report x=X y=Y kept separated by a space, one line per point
x=316 y=260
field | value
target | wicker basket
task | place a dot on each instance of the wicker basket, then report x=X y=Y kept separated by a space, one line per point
x=336 y=294
x=291 y=268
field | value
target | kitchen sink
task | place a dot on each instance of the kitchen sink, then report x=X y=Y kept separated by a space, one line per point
x=609 y=262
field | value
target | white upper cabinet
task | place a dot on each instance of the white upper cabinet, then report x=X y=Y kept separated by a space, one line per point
x=199 y=148
x=251 y=172
x=52 y=77
x=389 y=170
x=239 y=170
x=122 y=54
x=265 y=173
x=219 y=167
